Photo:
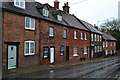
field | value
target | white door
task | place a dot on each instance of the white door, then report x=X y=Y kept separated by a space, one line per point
x=12 y=50
x=52 y=55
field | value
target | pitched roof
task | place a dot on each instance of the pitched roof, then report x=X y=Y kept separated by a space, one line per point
x=72 y=21
x=108 y=37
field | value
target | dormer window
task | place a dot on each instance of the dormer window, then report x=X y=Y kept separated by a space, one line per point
x=45 y=12
x=19 y=3
x=59 y=17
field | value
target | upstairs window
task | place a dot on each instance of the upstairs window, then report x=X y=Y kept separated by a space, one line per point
x=95 y=37
x=29 y=23
x=106 y=44
x=19 y=3
x=75 y=34
x=59 y=17
x=98 y=38
x=111 y=44
x=114 y=44
x=61 y=50
x=64 y=34
x=103 y=44
x=81 y=35
x=45 y=12
x=85 y=36
x=29 y=48
x=91 y=37
x=75 y=51
x=51 y=32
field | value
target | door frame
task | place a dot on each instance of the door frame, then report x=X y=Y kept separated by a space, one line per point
x=54 y=55
x=67 y=56
x=17 y=52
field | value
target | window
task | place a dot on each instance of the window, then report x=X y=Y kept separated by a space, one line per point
x=114 y=44
x=81 y=35
x=51 y=32
x=106 y=52
x=106 y=44
x=45 y=52
x=91 y=37
x=95 y=37
x=85 y=50
x=103 y=44
x=45 y=12
x=111 y=44
x=98 y=48
x=29 y=23
x=29 y=48
x=64 y=33
x=95 y=49
x=61 y=50
x=75 y=34
x=85 y=36
x=19 y=3
x=75 y=51
x=100 y=38
x=114 y=51
x=59 y=17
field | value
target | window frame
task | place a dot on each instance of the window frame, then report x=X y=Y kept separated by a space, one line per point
x=62 y=52
x=85 y=36
x=29 y=53
x=30 y=23
x=45 y=12
x=85 y=50
x=75 y=35
x=81 y=35
x=75 y=51
x=64 y=34
x=19 y=5
x=51 y=35
x=45 y=57
x=92 y=37
x=95 y=37
x=106 y=43
x=59 y=18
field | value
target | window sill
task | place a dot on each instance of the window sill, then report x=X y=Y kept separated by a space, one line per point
x=31 y=29
x=75 y=38
x=75 y=55
x=29 y=54
x=51 y=36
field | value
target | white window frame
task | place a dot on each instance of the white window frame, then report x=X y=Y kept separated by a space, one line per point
x=103 y=44
x=59 y=18
x=85 y=36
x=32 y=21
x=81 y=34
x=64 y=33
x=75 y=51
x=98 y=37
x=85 y=50
x=45 y=12
x=19 y=3
x=29 y=53
x=51 y=33
x=106 y=43
x=92 y=37
x=95 y=37
x=75 y=34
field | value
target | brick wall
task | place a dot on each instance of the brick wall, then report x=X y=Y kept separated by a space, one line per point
x=14 y=31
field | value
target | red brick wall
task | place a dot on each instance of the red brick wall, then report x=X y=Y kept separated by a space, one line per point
x=14 y=31
x=57 y=41
x=78 y=43
x=110 y=47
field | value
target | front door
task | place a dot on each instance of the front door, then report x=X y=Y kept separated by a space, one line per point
x=67 y=53
x=52 y=55
x=12 y=56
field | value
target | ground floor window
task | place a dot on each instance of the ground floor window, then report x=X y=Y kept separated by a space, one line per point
x=45 y=52
x=75 y=51
x=85 y=50
x=61 y=50
x=29 y=48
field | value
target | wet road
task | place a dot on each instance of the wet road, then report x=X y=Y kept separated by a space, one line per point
x=99 y=69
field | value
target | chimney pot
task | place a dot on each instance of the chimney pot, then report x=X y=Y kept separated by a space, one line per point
x=56 y=4
x=66 y=7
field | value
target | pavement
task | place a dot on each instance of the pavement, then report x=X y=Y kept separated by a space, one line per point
x=35 y=68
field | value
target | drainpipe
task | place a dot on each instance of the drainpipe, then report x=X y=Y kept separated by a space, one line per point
x=1 y=17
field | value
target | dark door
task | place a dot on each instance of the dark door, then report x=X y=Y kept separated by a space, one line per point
x=67 y=53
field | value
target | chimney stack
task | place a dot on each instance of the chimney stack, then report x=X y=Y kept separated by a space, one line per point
x=66 y=7
x=56 y=4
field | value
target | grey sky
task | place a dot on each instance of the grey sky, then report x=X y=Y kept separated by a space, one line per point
x=92 y=11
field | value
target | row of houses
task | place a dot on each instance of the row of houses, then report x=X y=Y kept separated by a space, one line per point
x=35 y=33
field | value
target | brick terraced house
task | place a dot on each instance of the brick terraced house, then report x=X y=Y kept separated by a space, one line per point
x=109 y=44
x=35 y=33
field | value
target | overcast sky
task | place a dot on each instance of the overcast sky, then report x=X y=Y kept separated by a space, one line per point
x=92 y=11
